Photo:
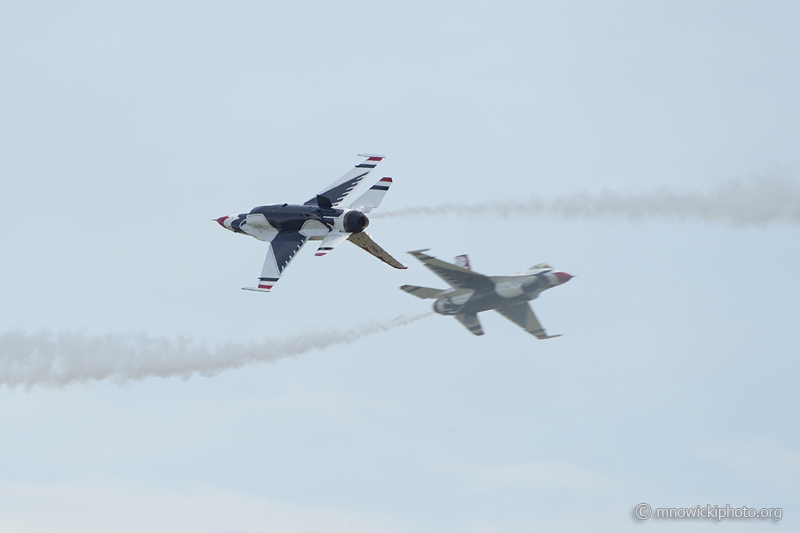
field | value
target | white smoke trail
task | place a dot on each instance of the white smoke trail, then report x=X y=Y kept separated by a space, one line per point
x=43 y=358
x=753 y=202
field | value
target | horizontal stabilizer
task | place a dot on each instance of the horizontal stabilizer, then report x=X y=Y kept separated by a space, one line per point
x=422 y=292
x=372 y=198
x=471 y=322
x=331 y=241
x=255 y=289
x=365 y=242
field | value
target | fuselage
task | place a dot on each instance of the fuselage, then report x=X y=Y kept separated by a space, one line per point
x=505 y=291
x=314 y=222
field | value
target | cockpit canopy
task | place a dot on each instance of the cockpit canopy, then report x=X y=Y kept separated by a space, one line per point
x=540 y=266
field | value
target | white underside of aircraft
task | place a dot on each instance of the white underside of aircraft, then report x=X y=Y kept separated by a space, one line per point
x=286 y=228
x=472 y=293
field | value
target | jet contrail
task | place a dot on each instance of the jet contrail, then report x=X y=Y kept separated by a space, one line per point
x=60 y=359
x=752 y=202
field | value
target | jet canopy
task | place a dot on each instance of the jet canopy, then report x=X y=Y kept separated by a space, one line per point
x=540 y=266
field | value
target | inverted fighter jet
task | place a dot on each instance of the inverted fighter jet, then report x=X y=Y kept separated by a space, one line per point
x=472 y=293
x=286 y=227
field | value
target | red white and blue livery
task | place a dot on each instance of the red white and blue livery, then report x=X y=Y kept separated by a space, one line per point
x=328 y=217
x=472 y=293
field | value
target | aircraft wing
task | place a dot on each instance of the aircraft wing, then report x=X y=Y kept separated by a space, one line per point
x=471 y=322
x=338 y=191
x=282 y=249
x=522 y=315
x=455 y=275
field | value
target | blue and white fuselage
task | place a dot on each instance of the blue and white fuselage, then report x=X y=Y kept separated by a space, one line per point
x=472 y=293
x=265 y=221
x=287 y=227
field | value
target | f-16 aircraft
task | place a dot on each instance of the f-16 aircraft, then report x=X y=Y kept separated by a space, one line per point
x=286 y=227
x=472 y=293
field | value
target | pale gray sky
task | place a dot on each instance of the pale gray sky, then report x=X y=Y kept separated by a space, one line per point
x=124 y=129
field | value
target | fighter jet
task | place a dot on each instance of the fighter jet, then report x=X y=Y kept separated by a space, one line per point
x=287 y=227
x=472 y=293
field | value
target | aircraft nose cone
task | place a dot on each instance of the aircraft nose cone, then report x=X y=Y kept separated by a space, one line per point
x=563 y=277
x=221 y=221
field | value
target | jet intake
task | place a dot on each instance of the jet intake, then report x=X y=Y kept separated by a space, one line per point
x=355 y=221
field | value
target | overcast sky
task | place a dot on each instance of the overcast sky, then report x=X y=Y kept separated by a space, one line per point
x=125 y=129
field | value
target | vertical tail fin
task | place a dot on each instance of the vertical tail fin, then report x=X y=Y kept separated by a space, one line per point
x=365 y=242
